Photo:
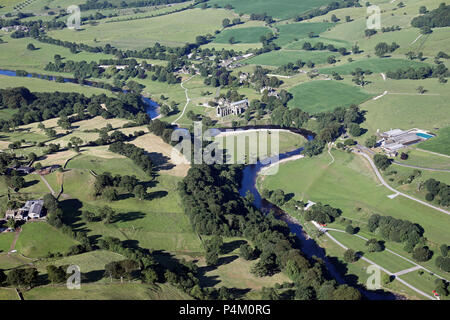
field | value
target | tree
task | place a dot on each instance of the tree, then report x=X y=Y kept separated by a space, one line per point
x=423 y=10
x=22 y=277
x=31 y=47
x=11 y=223
x=140 y=191
x=164 y=110
x=349 y=229
x=381 y=49
x=107 y=214
x=371 y=142
x=56 y=274
x=422 y=254
x=334 y=18
x=17 y=182
x=420 y=90
x=246 y=252
x=382 y=162
x=350 y=256
x=225 y=22
x=354 y=129
x=110 y=194
x=149 y=275
x=444 y=250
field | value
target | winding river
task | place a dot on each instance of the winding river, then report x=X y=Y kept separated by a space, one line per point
x=308 y=246
x=250 y=174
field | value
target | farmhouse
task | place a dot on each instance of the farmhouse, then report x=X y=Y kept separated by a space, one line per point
x=396 y=139
x=31 y=210
x=271 y=92
x=235 y=108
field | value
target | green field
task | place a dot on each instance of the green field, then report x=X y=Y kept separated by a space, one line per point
x=349 y=184
x=326 y=95
x=418 y=157
x=376 y=65
x=295 y=31
x=282 y=57
x=439 y=144
x=39 y=238
x=173 y=30
x=117 y=291
x=242 y=35
x=403 y=107
x=281 y=9
x=38 y=85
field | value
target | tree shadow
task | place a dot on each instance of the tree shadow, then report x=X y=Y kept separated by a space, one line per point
x=156 y=195
x=92 y=276
x=160 y=161
x=231 y=246
x=31 y=183
x=129 y=216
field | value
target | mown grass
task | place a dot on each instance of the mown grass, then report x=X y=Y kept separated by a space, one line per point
x=319 y=96
x=282 y=9
x=282 y=57
x=350 y=184
x=39 y=238
x=295 y=31
x=242 y=35
x=376 y=65
x=174 y=30
x=439 y=144
x=115 y=291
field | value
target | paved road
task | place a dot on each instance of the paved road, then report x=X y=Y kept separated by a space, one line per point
x=418 y=266
x=420 y=168
x=380 y=177
x=383 y=269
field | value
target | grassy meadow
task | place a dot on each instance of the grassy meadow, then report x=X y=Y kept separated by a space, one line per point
x=325 y=95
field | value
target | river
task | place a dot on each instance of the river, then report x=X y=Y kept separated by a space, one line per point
x=250 y=174
x=308 y=246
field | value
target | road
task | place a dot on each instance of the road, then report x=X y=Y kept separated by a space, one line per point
x=373 y=263
x=48 y=185
x=380 y=177
x=187 y=100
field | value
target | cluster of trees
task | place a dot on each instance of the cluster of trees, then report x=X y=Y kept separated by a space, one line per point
x=104 y=4
x=439 y=17
x=322 y=214
x=438 y=190
x=261 y=17
x=106 y=185
x=39 y=106
x=277 y=197
x=163 y=74
x=320 y=46
x=210 y=196
x=396 y=230
x=390 y=29
x=161 y=129
x=440 y=71
x=443 y=261
x=138 y=155
x=382 y=48
x=382 y=161
x=220 y=77
x=325 y=9
x=140 y=263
